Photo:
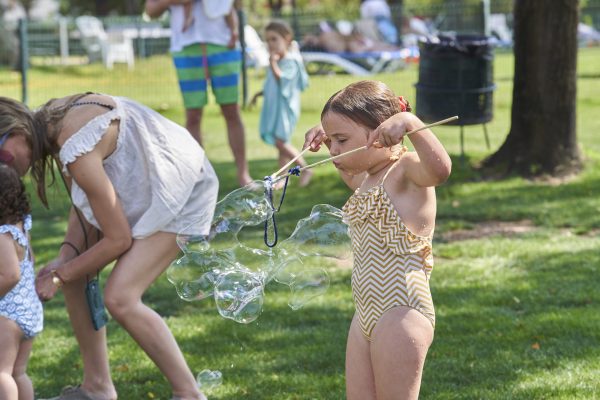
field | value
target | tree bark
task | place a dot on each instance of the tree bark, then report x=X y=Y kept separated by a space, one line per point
x=542 y=138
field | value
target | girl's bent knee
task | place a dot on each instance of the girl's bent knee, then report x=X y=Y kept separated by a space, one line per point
x=119 y=306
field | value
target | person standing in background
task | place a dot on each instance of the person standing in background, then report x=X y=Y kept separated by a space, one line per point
x=379 y=10
x=202 y=52
x=286 y=79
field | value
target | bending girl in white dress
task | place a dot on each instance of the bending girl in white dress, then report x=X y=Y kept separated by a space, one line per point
x=138 y=179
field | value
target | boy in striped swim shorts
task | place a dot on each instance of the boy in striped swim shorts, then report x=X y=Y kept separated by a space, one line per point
x=204 y=54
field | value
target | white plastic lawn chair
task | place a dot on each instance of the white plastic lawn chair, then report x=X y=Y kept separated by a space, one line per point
x=110 y=48
x=256 y=50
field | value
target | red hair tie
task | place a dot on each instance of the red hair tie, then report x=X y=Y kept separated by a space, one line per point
x=404 y=104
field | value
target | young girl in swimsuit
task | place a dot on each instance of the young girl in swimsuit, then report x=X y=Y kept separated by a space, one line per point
x=391 y=216
x=286 y=79
x=21 y=314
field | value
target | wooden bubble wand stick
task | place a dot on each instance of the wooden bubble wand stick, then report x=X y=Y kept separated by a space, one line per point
x=444 y=121
x=285 y=167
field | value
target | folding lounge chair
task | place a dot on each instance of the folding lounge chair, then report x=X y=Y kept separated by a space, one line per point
x=361 y=64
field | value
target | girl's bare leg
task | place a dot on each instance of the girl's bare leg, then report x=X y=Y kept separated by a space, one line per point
x=134 y=272
x=10 y=337
x=399 y=346
x=20 y=371
x=360 y=383
x=92 y=343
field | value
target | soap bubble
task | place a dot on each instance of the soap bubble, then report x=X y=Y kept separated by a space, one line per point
x=216 y=263
x=188 y=279
x=239 y=295
x=194 y=277
x=322 y=233
x=207 y=379
x=245 y=206
x=307 y=285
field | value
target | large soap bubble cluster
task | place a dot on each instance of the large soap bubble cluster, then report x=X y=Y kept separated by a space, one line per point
x=235 y=273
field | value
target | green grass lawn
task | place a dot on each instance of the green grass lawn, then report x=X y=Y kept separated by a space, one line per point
x=518 y=310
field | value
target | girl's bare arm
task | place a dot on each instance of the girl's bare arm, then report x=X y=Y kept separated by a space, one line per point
x=431 y=165
x=89 y=174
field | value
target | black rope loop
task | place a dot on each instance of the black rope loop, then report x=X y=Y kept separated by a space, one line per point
x=269 y=193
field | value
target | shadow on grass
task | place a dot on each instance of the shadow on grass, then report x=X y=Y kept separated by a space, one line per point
x=495 y=335
x=467 y=197
x=488 y=330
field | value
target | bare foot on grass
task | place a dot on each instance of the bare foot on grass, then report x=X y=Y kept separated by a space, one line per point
x=245 y=180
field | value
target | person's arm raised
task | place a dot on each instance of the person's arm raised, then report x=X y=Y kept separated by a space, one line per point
x=431 y=166
x=314 y=138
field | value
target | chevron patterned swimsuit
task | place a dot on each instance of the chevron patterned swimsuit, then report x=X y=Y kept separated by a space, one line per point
x=392 y=265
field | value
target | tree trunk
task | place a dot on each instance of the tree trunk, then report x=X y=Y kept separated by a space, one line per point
x=542 y=138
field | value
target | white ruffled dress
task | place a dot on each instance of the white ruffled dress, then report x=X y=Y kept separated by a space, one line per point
x=160 y=173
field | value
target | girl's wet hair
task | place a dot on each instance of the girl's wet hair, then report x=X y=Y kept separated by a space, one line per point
x=281 y=27
x=367 y=103
x=14 y=202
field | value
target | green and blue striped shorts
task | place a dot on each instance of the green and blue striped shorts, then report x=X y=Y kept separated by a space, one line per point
x=198 y=63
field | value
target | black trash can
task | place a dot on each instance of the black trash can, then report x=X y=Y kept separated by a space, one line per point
x=456 y=78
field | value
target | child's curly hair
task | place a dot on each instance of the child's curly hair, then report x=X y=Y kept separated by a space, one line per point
x=14 y=202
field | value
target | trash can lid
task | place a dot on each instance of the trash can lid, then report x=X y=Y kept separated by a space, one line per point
x=451 y=42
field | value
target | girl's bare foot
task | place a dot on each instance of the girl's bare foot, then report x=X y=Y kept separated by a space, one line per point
x=244 y=179
x=305 y=178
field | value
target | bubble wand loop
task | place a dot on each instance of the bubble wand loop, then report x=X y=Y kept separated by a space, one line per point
x=298 y=170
